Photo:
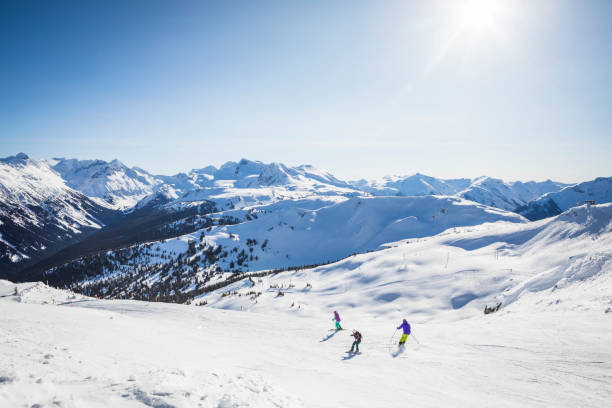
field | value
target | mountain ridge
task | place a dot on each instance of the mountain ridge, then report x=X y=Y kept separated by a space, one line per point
x=237 y=190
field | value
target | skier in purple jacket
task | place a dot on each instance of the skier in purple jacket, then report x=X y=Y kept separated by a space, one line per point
x=405 y=326
x=336 y=318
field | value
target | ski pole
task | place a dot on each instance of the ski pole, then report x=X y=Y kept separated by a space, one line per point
x=391 y=341
x=415 y=339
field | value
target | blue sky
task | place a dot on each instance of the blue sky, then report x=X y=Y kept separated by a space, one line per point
x=513 y=89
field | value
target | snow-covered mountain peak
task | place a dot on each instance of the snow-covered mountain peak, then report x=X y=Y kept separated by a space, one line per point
x=18 y=158
x=112 y=182
x=274 y=174
x=237 y=170
x=507 y=195
x=249 y=182
x=248 y=174
x=415 y=185
x=205 y=170
x=22 y=175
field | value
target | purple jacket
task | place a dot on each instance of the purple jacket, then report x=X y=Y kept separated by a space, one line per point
x=337 y=317
x=405 y=326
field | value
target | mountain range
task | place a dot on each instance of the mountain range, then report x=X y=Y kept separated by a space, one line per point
x=117 y=186
x=207 y=223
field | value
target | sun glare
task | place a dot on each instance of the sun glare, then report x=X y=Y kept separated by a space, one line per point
x=479 y=15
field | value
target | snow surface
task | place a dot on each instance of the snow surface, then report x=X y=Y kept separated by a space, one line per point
x=549 y=345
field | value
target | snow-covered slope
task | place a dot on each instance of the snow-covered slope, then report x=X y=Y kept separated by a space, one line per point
x=113 y=182
x=38 y=211
x=548 y=345
x=298 y=235
x=263 y=339
x=598 y=190
x=280 y=235
x=454 y=274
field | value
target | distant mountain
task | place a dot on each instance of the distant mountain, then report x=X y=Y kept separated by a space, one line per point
x=39 y=212
x=484 y=190
x=117 y=185
x=507 y=195
x=416 y=185
x=598 y=190
x=247 y=183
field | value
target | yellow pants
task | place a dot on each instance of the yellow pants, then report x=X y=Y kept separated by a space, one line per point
x=404 y=338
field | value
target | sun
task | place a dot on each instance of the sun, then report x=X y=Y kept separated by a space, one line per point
x=479 y=15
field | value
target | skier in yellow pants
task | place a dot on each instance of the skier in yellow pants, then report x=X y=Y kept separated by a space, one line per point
x=405 y=326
